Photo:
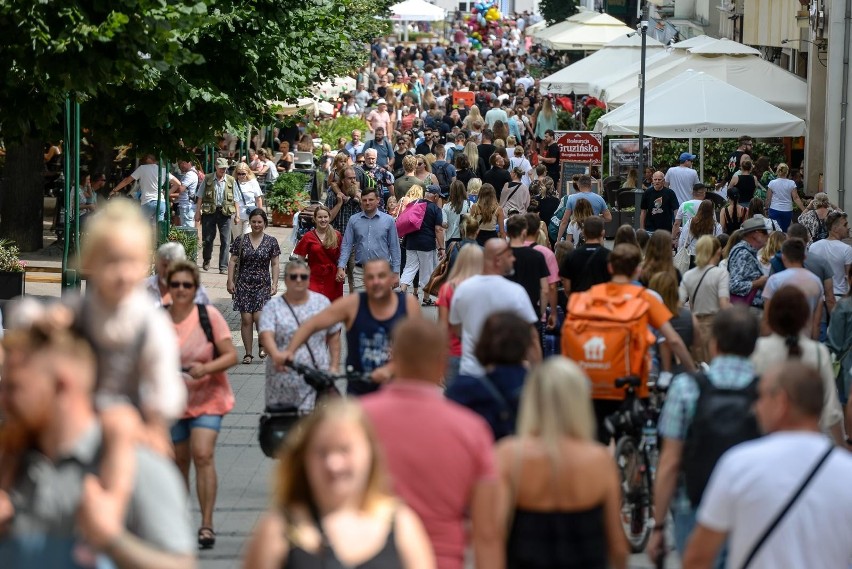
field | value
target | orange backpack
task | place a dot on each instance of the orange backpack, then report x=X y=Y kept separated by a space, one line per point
x=606 y=332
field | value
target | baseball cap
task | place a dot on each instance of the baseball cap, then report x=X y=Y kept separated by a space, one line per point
x=433 y=189
x=381 y=102
x=686 y=156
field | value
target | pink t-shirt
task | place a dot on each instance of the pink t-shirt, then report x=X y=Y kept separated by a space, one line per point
x=379 y=120
x=445 y=298
x=436 y=452
x=211 y=394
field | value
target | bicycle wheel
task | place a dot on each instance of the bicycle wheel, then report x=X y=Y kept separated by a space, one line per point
x=635 y=493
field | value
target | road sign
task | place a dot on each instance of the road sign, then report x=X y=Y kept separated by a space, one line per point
x=580 y=146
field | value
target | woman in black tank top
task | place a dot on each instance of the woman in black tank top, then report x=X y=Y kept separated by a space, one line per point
x=563 y=487
x=330 y=509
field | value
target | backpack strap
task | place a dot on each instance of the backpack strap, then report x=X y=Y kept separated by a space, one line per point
x=703 y=382
x=204 y=320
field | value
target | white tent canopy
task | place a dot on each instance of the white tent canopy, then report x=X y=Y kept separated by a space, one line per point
x=417 y=11
x=614 y=56
x=589 y=35
x=729 y=61
x=697 y=105
x=580 y=17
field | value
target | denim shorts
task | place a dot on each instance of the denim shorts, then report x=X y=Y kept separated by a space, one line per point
x=182 y=429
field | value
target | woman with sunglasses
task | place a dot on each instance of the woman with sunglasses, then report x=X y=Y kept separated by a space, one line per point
x=248 y=197
x=206 y=353
x=321 y=247
x=253 y=277
x=279 y=321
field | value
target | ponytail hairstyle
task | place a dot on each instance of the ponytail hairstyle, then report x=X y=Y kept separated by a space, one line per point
x=788 y=315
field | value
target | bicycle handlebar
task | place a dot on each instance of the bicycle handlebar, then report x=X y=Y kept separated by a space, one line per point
x=631 y=381
x=323 y=381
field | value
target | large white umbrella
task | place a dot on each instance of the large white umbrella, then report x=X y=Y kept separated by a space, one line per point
x=589 y=35
x=614 y=56
x=580 y=17
x=694 y=104
x=417 y=11
x=729 y=61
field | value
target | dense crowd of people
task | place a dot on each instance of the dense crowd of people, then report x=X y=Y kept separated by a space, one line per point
x=485 y=431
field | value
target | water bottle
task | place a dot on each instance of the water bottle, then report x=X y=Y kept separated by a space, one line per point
x=649 y=433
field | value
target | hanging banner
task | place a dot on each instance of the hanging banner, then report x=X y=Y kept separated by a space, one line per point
x=624 y=155
x=580 y=146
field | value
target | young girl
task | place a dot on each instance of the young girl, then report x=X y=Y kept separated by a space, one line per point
x=574 y=232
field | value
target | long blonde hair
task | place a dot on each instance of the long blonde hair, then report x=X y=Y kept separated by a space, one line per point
x=290 y=482
x=665 y=284
x=472 y=153
x=773 y=245
x=472 y=116
x=556 y=403
x=486 y=205
x=330 y=240
x=469 y=263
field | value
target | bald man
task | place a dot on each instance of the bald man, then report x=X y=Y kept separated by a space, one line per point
x=480 y=296
x=428 y=441
x=659 y=205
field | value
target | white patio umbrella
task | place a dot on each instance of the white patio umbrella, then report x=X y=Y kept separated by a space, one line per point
x=729 y=61
x=614 y=56
x=588 y=35
x=697 y=105
x=416 y=11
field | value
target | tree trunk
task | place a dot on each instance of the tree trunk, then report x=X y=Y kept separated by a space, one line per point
x=22 y=206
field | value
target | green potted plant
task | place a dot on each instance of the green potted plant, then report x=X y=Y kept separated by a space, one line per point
x=188 y=237
x=12 y=269
x=287 y=196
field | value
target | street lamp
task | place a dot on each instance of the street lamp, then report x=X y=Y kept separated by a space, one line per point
x=642 y=29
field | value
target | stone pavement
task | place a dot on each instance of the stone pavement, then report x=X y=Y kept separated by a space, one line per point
x=244 y=473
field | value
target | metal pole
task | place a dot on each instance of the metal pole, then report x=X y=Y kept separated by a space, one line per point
x=159 y=195
x=643 y=29
x=76 y=273
x=66 y=194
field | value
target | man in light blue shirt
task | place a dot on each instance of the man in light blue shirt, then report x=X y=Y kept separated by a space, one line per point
x=355 y=147
x=372 y=235
x=599 y=206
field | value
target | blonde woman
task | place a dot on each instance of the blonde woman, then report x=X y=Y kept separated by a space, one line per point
x=705 y=289
x=768 y=251
x=321 y=247
x=665 y=284
x=477 y=164
x=473 y=115
x=247 y=198
x=321 y=518
x=563 y=488
x=468 y=263
x=489 y=214
x=780 y=196
x=414 y=193
x=473 y=187
x=544 y=118
x=582 y=211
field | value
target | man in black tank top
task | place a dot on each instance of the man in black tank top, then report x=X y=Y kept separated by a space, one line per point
x=369 y=318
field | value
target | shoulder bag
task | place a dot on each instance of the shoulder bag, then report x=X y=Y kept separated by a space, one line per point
x=691 y=298
x=276 y=423
x=787 y=507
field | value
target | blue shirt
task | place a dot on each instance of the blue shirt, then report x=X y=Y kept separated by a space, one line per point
x=597 y=202
x=372 y=238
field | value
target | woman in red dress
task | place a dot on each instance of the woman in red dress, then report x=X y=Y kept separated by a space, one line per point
x=321 y=248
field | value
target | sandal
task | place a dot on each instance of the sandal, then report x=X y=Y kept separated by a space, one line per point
x=206 y=538
x=247 y=360
x=427 y=301
x=261 y=353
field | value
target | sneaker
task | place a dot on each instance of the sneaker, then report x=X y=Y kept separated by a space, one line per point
x=223 y=271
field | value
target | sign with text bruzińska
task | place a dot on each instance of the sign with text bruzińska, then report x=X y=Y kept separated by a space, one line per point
x=580 y=146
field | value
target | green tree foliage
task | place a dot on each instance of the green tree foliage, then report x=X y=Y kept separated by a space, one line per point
x=554 y=11
x=157 y=72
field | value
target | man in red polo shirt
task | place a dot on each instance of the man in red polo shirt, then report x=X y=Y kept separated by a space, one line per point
x=439 y=454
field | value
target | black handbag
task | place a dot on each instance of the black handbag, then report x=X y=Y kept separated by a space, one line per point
x=274 y=426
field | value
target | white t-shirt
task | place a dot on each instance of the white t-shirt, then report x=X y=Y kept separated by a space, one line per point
x=687 y=211
x=146 y=175
x=246 y=197
x=839 y=255
x=754 y=480
x=474 y=301
x=494 y=115
x=803 y=279
x=189 y=180
x=782 y=194
x=681 y=180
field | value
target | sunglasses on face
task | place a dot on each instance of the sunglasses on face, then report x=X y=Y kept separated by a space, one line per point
x=181 y=284
x=298 y=277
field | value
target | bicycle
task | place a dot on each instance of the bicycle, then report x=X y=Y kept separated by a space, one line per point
x=634 y=428
x=276 y=422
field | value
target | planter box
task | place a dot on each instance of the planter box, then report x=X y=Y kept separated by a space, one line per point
x=610 y=227
x=11 y=285
x=282 y=219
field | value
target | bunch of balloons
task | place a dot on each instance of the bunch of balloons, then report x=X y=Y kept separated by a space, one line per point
x=484 y=18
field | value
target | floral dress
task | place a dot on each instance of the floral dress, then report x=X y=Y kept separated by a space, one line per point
x=254 y=281
x=287 y=388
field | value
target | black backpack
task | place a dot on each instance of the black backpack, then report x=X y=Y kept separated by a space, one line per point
x=821 y=231
x=724 y=417
x=440 y=171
